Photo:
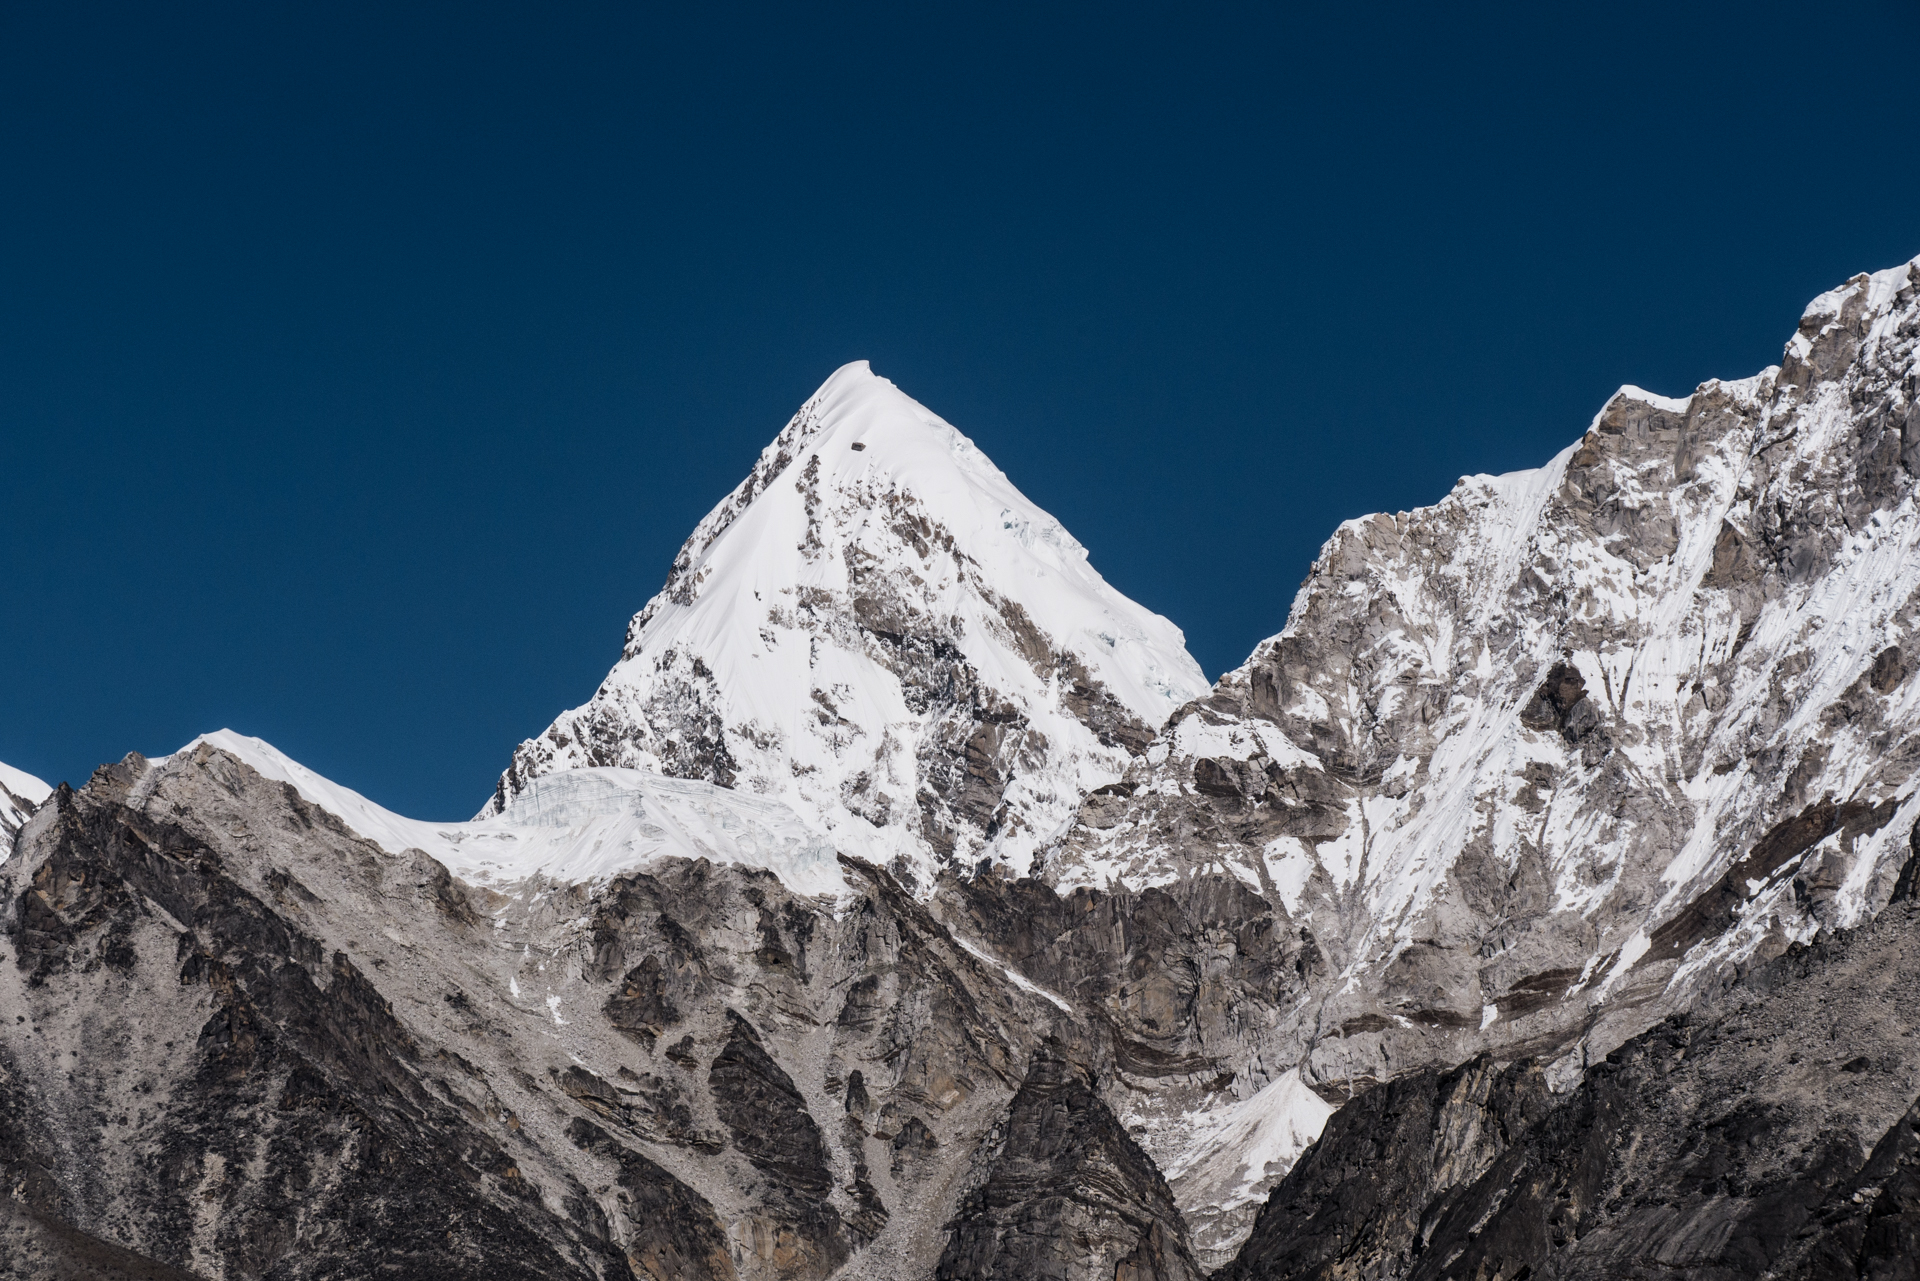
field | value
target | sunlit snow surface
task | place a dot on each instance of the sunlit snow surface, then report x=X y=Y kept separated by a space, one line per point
x=1226 y=1160
x=833 y=630
x=580 y=826
x=20 y=793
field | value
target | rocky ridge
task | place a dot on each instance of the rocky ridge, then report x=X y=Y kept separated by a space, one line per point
x=1533 y=767
x=1572 y=762
x=249 y=1041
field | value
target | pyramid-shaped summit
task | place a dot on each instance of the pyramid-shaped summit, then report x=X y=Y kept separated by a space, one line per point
x=877 y=629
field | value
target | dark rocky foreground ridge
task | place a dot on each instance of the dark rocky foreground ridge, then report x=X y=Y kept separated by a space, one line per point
x=1564 y=841
x=1774 y=1130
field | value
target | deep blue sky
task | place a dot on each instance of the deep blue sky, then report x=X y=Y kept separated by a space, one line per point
x=363 y=366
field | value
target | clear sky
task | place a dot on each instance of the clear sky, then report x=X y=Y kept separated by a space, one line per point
x=362 y=366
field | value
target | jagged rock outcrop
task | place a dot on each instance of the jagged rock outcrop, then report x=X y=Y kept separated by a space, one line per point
x=1181 y=982
x=879 y=631
x=1357 y=1203
x=1773 y=1131
x=1067 y=1195
x=1534 y=766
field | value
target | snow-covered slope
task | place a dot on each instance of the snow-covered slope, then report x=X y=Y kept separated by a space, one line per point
x=879 y=631
x=20 y=794
x=580 y=827
x=1229 y=1156
x=1534 y=764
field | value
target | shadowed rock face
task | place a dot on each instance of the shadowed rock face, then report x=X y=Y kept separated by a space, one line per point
x=1773 y=1131
x=1355 y=1204
x=771 y=1127
x=1067 y=1195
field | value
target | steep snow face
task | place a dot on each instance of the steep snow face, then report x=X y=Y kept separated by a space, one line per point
x=1529 y=767
x=879 y=631
x=20 y=794
x=1530 y=762
x=1228 y=1157
x=580 y=827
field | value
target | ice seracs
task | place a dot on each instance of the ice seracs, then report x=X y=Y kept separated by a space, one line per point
x=878 y=631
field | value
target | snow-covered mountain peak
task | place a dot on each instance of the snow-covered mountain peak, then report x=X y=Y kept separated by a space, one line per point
x=1680 y=565
x=863 y=426
x=877 y=629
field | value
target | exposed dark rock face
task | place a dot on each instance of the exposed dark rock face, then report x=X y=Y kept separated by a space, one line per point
x=1771 y=1132
x=1355 y=1204
x=1067 y=1195
x=771 y=1127
x=674 y=1232
x=1873 y=1233
x=1561 y=705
